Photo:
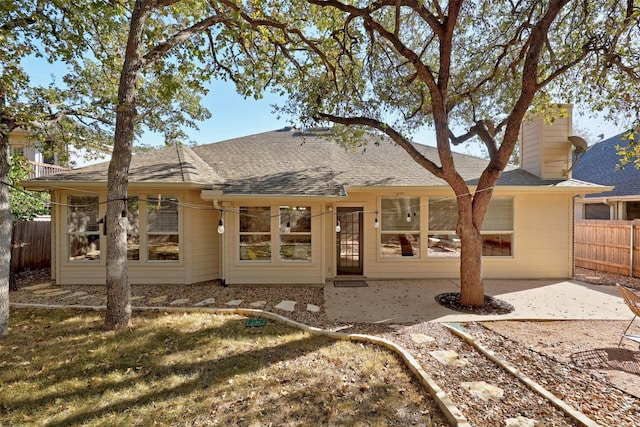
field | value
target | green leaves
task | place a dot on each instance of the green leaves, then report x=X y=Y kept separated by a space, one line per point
x=25 y=205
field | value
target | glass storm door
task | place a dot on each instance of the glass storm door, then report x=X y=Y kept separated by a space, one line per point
x=349 y=241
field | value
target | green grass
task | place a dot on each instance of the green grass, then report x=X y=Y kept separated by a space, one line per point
x=59 y=368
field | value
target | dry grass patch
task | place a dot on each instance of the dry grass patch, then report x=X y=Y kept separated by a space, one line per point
x=58 y=368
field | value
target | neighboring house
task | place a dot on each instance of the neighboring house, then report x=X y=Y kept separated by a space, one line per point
x=600 y=164
x=296 y=208
x=41 y=163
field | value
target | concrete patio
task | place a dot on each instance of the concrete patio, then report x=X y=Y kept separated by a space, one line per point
x=409 y=301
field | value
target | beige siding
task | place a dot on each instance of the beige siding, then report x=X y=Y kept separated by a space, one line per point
x=531 y=147
x=199 y=251
x=275 y=271
x=545 y=148
x=541 y=244
x=203 y=241
x=542 y=241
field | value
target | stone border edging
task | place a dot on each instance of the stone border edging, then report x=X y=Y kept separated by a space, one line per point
x=450 y=410
x=576 y=415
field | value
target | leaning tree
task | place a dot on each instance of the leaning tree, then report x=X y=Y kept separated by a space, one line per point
x=471 y=70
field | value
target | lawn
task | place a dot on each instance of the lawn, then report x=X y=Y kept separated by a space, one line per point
x=59 y=368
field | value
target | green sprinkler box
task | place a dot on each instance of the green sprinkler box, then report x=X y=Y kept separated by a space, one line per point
x=255 y=323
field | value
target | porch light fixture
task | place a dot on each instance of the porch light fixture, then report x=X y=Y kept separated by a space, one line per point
x=220 y=225
x=287 y=228
x=408 y=216
x=376 y=223
x=338 y=226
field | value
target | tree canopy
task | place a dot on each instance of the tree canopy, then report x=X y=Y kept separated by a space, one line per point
x=90 y=40
x=471 y=70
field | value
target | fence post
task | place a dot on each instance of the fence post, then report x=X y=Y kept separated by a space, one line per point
x=631 y=245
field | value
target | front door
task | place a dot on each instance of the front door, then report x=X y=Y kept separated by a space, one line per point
x=349 y=241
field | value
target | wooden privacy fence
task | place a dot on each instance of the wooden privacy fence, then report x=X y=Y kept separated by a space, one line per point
x=609 y=246
x=31 y=245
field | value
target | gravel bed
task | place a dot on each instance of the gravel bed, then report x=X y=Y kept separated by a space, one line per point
x=517 y=401
x=588 y=393
x=602 y=278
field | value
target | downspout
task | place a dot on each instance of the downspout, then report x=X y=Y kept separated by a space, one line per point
x=573 y=237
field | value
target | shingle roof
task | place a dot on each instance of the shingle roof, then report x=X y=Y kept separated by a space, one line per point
x=599 y=164
x=176 y=164
x=289 y=162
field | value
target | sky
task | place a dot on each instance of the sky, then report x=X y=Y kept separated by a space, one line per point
x=234 y=116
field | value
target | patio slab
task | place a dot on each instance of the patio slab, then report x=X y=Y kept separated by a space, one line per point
x=410 y=301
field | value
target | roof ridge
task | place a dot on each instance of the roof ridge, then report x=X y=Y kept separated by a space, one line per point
x=190 y=156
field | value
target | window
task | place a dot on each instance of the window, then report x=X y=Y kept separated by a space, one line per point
x=255 y=233
x=597 y=211
x=133 y=229
x=16 y=151
x=632 y=210
x=497 y=229
x=163 y=239
x=295 y=233
x=400 y=227
x=82 y=228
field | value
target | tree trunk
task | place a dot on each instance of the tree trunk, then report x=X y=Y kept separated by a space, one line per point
x=471 y=212
x=471 y=282
x=6 y=222
x=118 y=313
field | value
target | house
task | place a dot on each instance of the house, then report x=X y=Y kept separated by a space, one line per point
x=600 y=164
x=292 y=207
x=41 y=163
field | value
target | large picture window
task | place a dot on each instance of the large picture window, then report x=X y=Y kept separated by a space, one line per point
x=163 y=237
x=295 y=233
x=400 y=227
x=497 y=229
x=255 y=233
x=82 y=228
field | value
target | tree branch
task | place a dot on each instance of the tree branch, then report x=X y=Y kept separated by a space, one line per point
x=391 y=133
x=160 y=50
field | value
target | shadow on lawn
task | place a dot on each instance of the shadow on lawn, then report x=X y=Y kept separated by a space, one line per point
x=148 y=353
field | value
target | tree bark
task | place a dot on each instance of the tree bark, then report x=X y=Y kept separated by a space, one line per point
x=471 y=212
x=118 y=313
x=5 y=231
x=471 y=281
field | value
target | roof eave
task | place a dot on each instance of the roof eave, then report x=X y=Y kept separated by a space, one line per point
x=219 y=195
x=72 y=185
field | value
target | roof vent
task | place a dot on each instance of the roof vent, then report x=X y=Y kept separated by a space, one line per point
x=317 y=131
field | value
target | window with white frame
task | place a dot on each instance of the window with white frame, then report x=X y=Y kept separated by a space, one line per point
x=255 y=233
x=497 y=229
x=83 y=232
x=163 y=237
x=400 y=227
x=295 y=233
